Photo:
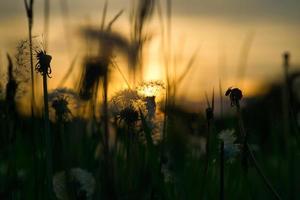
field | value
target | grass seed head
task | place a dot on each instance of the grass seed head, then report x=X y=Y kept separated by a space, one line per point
x=94 y=70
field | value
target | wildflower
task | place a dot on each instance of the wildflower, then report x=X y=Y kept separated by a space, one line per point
x=43 y=64
x=150 y=91
x=64 y=102
x=82 y=181
x=231 y=149
x=60 y=106
x=127 y=106
x=235 y=95
x=129 y=115
x=126 y=99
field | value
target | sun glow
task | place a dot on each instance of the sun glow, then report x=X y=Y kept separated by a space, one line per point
x=151 y=88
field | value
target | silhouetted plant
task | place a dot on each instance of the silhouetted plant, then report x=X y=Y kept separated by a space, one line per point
x=43 y=64
x=235 y=96
x=29 y=12
x=65 y=103
x=94 y=71
x=11 y=87
x=43 y=67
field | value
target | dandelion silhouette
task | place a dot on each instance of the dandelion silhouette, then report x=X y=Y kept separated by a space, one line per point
x=126 y=102
x=128 y=107
x=143 y=98
x=129 y=115
x=43 y=64
x=43 y=67
x=60 y=106
x=64 y=102
x=235 y=95
x=22 y=71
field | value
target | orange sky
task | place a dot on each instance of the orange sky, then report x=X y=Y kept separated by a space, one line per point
x=216 y=32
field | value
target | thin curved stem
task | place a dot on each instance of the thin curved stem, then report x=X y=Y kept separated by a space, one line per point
x=261 y=173
x=257 y=167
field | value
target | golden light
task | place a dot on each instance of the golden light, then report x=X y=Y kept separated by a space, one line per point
x=151 y=89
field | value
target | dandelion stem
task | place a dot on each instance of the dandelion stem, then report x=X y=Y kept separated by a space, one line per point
x=249 y=150
x=29 y=13
x=48 y=139
x=261 y=173
x=109 y=164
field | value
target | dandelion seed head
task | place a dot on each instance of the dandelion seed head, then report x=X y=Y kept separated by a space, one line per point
x=126 y=99
x=128 y=106
x=60 y=106
x=150 y=88
x=64 y=102
x=129 y=115
x=231 y=149
x=22 y=71
x=43 y=63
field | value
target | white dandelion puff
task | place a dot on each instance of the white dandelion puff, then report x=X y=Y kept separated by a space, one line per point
x=231 y=149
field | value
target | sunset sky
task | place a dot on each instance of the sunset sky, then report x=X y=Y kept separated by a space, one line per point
x=217 y=28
